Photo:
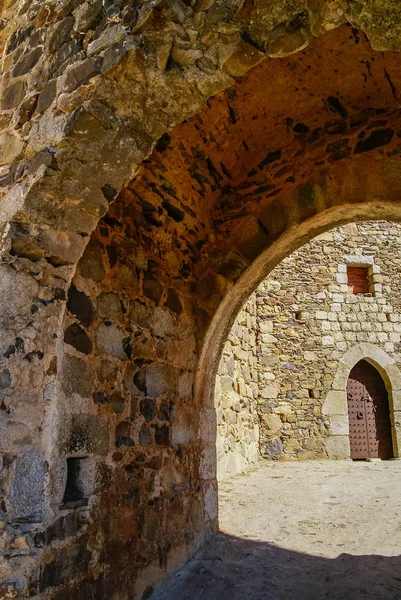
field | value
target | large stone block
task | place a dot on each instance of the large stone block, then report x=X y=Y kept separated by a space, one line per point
x=109 y=307
x=231 y=464
x=163 y=322
x=91 y=265
x=160 y=379
x=10 y=147
x=110 y=340
x=339 y=425
x=77 y=377
x=28 y=487
x=337 y=446
x=335 y=403
x=274 y=447
x=13 y=95
x=269 y=392
x=392 y=375
x=86 y=13
x=292 y=446
x=84 y=435
x=226 y=383
x=272 y=422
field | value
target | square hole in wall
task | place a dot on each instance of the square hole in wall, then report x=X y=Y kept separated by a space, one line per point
x=77 y=483
x=358 y=280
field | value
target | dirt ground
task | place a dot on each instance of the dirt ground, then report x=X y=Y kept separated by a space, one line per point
x=302 y=531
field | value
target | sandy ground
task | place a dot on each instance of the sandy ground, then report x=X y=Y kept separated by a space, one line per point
x=302 y=531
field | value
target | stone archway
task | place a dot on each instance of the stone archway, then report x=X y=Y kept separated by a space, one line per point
x=335 y=405
x=230 y=226
x=139 y=420
x=260 y=268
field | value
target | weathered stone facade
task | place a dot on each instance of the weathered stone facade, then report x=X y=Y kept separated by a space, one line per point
x=309 y=331
x=139 y=158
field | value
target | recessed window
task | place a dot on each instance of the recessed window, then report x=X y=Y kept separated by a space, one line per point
x=358 y=280
x=75 y=493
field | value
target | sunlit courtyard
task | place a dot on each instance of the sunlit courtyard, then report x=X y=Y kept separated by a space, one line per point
x=302 y=531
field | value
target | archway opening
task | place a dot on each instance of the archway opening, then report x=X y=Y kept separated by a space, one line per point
x=281 y=396
x=281 y=383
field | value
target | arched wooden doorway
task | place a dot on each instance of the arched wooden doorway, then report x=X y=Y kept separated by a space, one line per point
x=369 y=413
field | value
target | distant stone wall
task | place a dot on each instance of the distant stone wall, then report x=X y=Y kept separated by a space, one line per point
x=307 y=321
x=236 y=395
x=290 y=365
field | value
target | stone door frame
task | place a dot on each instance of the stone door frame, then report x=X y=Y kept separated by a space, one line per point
x=335 y=404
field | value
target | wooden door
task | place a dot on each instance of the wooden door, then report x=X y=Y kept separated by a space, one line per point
x=369 y=413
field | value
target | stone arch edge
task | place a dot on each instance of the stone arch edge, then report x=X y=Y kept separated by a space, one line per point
x=335 y=404
x=224 y=317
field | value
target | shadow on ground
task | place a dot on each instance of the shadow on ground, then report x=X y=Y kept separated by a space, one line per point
x=232 y=568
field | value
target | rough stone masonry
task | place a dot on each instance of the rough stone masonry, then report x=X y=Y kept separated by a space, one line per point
x=157 y=159
x=280 y=390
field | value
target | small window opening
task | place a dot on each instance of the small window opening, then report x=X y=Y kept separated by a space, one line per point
x=298 y=315
x=75 y=488
x=311 y=393
x=388 y=316
x=358 y=280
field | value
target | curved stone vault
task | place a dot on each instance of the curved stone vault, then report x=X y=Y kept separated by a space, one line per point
x=118 y=137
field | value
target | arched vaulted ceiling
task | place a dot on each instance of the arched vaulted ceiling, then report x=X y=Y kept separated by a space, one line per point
x=267 y=140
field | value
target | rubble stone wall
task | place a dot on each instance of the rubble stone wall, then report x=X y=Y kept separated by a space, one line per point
x=236 y=395
x=307 y=321
x=126 y=408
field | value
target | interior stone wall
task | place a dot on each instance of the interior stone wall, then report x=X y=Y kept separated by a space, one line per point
x=126 y=406
x=307 y=320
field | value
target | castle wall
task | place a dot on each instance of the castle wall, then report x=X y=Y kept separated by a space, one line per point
x=309 y=325
x=236 y=393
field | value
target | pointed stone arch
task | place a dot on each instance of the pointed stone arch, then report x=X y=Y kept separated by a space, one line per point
x=335 y=404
